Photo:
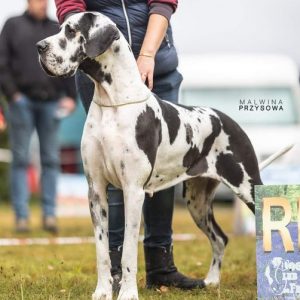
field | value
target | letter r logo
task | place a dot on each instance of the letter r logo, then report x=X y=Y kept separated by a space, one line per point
x=280 y=226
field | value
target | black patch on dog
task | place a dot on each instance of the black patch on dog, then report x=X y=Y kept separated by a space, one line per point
x=81 y=40
x=219 y=231
x=190 y=108
x=122 y=165
x=191 y=156
x=117 y=49
x=216 y=129
x=103 y=213
x=189 y=133
x=101 y=40
x=69 y=32
x=128 y=270
x=184 y=189
x=94 y=69
x=251 y=206
x=59 y=59
x=93 y=197
x=100 y=236
x=171 y=117
x=241 y=147
x=85 y=24
x=209 y=217
x=78 y=55
x=196 y=162
x=62 y=44
x=229 y=169
x=148 y=135
x=213 y=236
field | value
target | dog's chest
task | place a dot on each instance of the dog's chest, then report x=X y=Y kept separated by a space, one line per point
x=111 y=135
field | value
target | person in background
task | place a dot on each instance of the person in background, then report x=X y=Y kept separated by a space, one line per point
x=35 y=102
x=145 y=25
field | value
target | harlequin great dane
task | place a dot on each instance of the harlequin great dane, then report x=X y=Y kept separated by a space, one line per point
x=142 y=144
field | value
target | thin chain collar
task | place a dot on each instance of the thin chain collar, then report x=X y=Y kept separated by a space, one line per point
x=123 y=104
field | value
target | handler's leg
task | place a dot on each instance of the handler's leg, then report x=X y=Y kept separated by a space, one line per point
x=116 y=233
x=160 y=267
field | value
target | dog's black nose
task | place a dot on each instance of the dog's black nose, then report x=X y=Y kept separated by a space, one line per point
x=42 y=46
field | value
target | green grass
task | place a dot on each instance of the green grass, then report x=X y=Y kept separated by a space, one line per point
x=68 y=272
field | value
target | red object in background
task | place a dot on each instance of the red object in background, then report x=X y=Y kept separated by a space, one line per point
x=2 y=121
x=69 y=160
x=33 y=179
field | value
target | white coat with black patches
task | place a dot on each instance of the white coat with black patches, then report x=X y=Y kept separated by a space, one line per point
x=142 y=144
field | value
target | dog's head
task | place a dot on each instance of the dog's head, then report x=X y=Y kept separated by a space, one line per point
x=81 y=36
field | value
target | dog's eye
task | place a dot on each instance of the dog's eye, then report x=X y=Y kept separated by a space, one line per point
x=70 y=31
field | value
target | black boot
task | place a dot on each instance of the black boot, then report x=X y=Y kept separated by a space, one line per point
x=160 y=270
x=116 y=270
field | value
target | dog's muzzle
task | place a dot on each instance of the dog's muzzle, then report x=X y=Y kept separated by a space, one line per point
x=42 y=46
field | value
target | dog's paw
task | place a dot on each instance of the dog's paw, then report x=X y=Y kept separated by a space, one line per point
x=210 y=281
x=100 y=294
x=128 y=294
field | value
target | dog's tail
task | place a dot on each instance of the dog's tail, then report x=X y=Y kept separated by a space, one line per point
x=274 y=156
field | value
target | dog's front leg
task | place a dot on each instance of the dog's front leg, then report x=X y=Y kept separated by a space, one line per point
x=133 y=200
x=99 y=214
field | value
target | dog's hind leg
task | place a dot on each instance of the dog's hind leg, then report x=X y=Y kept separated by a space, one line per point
x=199 y=193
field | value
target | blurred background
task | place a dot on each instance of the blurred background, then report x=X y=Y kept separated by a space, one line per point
x=234 y=56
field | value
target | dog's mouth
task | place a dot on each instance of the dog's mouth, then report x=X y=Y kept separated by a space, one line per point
x=46 y=69
x=66 y=75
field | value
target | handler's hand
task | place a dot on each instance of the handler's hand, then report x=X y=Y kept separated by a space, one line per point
x=146 y=68
x=68 y=104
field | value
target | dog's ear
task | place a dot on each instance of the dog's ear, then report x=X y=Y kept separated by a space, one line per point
x=101 y=40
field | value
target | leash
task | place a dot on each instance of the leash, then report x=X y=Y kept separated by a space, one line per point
x=123 y=104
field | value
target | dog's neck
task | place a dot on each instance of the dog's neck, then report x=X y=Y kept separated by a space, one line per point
x=116 y=76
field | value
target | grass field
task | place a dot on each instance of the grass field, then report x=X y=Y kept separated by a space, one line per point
x=68 y=272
